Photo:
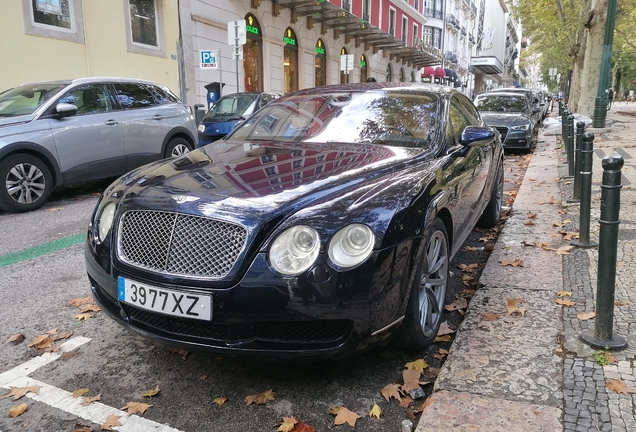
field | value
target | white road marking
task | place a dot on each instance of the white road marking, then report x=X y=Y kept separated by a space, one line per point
x=63 y=400
x=37 y=362
x=95 y=412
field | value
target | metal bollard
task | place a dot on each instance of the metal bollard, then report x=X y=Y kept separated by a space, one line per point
x=198 y=113
x=569 y=146
x=560 y=107
x=564 y=121
x=603 y=336
x=576 y=190
x=587 y=149
x=407 y=426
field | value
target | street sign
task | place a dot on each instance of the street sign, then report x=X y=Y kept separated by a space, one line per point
x=238 y=51
x=236 y=34
x=208 y=59
x=346 y=63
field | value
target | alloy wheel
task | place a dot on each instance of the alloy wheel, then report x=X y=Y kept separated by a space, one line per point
x=433 y=284
x=25 y=183
x=180 y=150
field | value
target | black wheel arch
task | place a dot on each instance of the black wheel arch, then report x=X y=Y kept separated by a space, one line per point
x=37 y=151
x=178 y=132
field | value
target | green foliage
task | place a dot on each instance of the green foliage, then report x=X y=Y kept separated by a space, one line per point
x=624 y=47
x=600 y=357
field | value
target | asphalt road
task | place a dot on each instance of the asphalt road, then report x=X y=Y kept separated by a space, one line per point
x=42 y=268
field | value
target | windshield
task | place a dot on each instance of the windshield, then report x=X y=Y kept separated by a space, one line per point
x=233 y=106
x=24 y=100
x=395 y=118
x=515 y=104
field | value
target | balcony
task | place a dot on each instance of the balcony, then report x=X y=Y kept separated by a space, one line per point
x=471 y=38
x=450 y=56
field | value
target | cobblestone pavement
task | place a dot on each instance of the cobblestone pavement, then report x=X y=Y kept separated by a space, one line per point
x=528 y=370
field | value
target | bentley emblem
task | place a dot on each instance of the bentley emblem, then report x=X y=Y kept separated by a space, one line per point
x=184 y=198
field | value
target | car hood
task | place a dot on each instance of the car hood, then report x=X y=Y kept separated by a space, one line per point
x=504 y=119
x=10 y=121
x=236 y=180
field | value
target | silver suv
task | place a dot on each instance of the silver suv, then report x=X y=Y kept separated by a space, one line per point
x=61 y=132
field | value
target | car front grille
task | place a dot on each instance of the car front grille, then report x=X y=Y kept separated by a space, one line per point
x=179 y=244
x=503 y=131
x=276 y=331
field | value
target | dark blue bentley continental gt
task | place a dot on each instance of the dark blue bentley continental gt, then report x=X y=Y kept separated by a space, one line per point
x=322 y=226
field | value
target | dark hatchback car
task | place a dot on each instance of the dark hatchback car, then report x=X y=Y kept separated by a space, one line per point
x=229 y=111
x=323 y=225
x=512 y=116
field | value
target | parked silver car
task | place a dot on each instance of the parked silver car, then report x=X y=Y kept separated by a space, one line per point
x=61 y=132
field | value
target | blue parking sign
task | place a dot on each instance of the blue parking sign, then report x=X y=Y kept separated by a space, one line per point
x=209 y=59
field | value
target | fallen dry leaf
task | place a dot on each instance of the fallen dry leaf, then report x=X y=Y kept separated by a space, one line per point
x=406 y=401
x=42 y=341
x=564 y=250
x=490 y=316
x=79 y=301
x=444 y=338
x=468 y=267
x=80 y=392
x=90 y=308
x=203 y=377
x=376 y=411
x=287 y=425
x=564 y=294
x=69 y=354
x=610 y=358
x=457 y=305
x=411 y=380
x=150 y=393
x=621 y=303
x=418 y=365
x=392 y=390
x=16 y=338
x=219 y=401
x=531 y=215
x=343 y=415
x=83 y=316
x=89 y=400
x=136 y=407
x=259 y=398
x=182 y=353
x=440 y=354
x=618 y=386
x=18 y=410
x=111 y=421
x=63 y=335
x=565 y=302
x=514 y=263
x=513 y=305
x=585 y=315
x=471 y=249
x=569 y=235
x=444 y=329
x=529 y=222
x=302 y=427
x=17 y=392
x=82 y=428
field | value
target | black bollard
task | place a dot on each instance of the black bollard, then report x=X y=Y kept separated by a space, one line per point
x=587 y=150
x=576 y=190
x=569 y=148
x=603 y=336
x=560 y=107
x=564 y=124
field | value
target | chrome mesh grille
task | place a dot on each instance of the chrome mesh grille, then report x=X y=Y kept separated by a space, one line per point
x=179 y=244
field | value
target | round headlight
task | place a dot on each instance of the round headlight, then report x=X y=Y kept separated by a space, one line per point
x=201 y=128
x=105 y=221
x=295 y=250
x=351 y=246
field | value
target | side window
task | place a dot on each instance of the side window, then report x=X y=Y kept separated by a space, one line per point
x=89 y=99
x=265 y=99
x=131 y=96
x=469 y=110
x=161 y=97
x=457 y=123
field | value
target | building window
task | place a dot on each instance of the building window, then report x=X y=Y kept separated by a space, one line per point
x=416 y=32
x=389 y=72
x=290 y=61
x=405 y=23
x=437 y=38
x=58 y=19
x=427 y=36
x=392 y=21
x=366 y=9
x=252 y=57
x=145 y=31
x=320 y=64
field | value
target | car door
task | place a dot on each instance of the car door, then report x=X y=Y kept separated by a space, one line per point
x=470 y=167
x=90 y=144
x=144 y=123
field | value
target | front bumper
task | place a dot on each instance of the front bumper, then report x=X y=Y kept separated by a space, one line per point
x=320 y=314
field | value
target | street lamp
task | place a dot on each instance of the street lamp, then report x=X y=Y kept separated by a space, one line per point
x=600 y=107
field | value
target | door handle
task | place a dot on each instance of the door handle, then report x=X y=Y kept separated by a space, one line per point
x=111 y=122
x=157 y=117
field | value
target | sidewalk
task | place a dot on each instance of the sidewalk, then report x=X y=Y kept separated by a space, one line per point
x=528 y=371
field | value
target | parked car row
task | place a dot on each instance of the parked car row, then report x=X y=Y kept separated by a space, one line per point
x=62 y=132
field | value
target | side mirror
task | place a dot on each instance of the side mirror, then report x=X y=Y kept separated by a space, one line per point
x=476 y=135
x=535 y=110
x=65 y=110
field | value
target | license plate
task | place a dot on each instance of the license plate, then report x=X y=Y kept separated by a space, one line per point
x=165 y=301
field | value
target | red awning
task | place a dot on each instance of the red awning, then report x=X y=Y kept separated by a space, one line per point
x=440 y=72
x=428 y=71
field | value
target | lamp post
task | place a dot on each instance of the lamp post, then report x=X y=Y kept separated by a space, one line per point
x=600 y=107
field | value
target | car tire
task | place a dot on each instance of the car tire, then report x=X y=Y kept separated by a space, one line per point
x=426 y=302
x=177 y=147
x=26 y=183
x=490 y=217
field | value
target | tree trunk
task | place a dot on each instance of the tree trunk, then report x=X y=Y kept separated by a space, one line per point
x=587 y=84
